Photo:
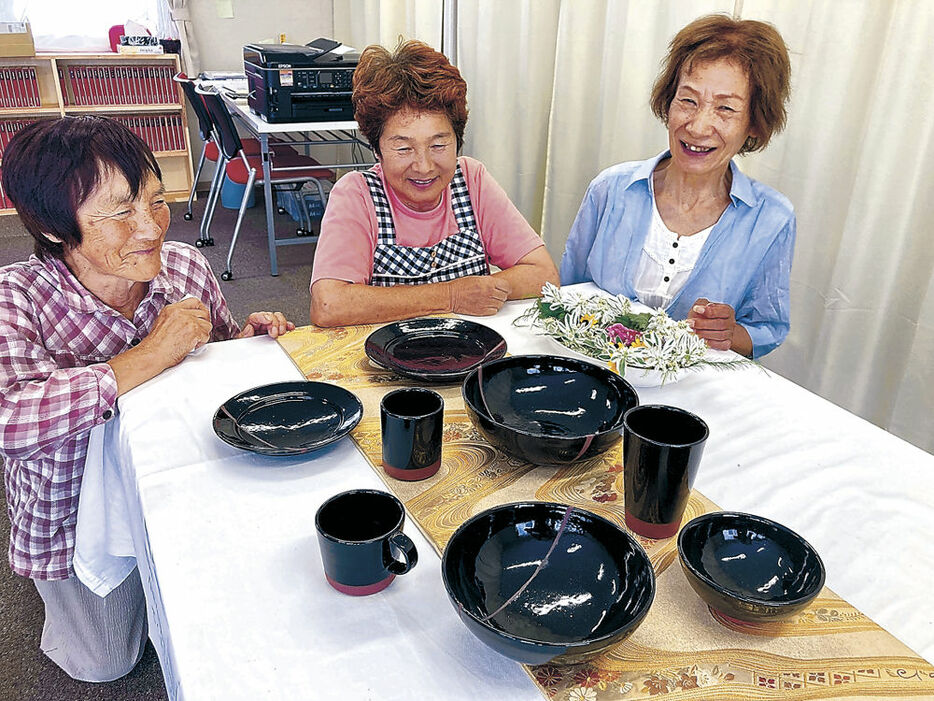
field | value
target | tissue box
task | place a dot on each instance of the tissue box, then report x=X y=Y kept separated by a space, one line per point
x=16 y=39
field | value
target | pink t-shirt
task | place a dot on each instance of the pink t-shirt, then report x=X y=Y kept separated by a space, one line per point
x=349 y=228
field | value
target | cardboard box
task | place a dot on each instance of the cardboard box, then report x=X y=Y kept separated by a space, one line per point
x=16 y=39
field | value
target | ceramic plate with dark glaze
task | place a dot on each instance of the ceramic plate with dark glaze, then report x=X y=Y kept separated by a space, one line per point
x=748 y=567
x=287 y=418
x=434 y=350
x=539 y=581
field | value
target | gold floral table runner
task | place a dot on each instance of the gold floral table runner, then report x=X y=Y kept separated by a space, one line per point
x=682 y=650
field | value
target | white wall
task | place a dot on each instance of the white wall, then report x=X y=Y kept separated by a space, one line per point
x=221 y=40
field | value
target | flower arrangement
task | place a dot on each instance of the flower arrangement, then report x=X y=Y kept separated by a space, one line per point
x=606 y=328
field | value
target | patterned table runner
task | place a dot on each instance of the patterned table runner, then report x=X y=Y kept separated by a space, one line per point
x=681 y=650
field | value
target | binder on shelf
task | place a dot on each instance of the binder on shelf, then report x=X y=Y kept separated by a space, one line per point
x=123 y=94
x=22 y=75
x=151 y=79
x=137 y=83
x=5 y=99
x=34 y=86
x=16 y=79
x=78 y=85
x=61 y=84
x=97 y=92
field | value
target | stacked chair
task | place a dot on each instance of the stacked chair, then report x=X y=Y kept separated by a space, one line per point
x=289 y=169
x=211 y=152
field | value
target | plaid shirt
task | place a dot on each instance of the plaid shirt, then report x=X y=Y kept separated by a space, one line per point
x=55 y=339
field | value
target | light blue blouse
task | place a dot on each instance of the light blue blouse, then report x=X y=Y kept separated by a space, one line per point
x=746 y=261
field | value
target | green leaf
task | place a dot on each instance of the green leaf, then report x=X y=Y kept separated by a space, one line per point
x=546 y=311
x=636 y=322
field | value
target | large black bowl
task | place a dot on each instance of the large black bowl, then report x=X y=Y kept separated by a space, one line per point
x=547 y=409
x=748 y=567
x=538 y=581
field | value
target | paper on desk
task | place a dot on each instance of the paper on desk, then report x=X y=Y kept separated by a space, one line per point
x=104 y=554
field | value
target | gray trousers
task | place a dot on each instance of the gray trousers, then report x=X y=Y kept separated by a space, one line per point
x=94 y=639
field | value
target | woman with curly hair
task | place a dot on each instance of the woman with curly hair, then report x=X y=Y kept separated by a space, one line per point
x=686 y=230
x=417 y=233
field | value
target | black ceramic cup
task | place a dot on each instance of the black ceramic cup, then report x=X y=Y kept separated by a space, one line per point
x=362 y=544
x=662 y=449
x=411 y=422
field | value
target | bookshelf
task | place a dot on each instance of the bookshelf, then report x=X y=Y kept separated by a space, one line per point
x=135 y=89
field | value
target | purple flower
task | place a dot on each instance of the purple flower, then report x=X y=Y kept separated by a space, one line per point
x=622 y=334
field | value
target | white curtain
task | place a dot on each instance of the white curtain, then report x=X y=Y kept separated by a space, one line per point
x=359 y=23
x=559 y=90
x=181 y=15
x=505 y=52
x=858 y=162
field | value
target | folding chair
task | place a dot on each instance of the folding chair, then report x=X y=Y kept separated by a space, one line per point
x=247 y=169
x=209 y=152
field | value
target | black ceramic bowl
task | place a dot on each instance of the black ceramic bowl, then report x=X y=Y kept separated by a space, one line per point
x=547 y=409
x=748 y=567
x=538 y=581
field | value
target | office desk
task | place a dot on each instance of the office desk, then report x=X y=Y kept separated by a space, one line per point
x=299 y=134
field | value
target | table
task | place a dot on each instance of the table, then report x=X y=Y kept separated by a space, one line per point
x=239 y=607
x=305 y=134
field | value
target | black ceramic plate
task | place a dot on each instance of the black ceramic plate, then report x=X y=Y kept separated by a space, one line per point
x=287 y=418
x=434 y=350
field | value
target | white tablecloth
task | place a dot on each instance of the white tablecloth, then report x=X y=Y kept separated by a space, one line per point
x=239 y=606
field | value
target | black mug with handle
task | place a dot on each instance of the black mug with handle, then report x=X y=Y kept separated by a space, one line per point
x=362 y=544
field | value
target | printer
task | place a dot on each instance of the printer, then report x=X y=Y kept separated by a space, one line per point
x=295 y=83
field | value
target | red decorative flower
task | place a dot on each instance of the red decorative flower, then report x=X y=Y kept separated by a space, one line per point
x=622 y=334
x=588 y=676
x=548 y=676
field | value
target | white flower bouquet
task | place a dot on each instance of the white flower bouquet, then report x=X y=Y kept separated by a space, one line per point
x=604 y=327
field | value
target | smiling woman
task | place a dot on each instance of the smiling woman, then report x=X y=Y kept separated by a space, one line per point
x=103 y=306
x=687 y=231
x=422 y=216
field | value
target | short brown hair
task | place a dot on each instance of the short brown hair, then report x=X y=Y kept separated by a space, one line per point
x=756 y=47
x=51 y=167
x=414 y=76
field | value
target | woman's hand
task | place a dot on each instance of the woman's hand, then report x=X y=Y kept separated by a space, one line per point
x=272 y=323
x=478 y=295
x=716 y=323
x=179 y=329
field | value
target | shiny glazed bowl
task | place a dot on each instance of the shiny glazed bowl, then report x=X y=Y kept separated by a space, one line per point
x=747 y=567
x=547 y=409
x=538 y=581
